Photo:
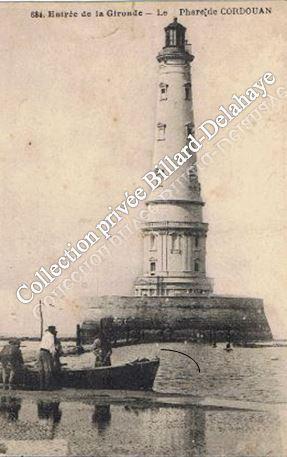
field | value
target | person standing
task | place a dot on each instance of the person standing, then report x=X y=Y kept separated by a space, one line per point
x=102 y=349
x=106 y=348
x=96 y=348
x=79 y=347
x=12 y=363
x=46 y=358
x=57 y=366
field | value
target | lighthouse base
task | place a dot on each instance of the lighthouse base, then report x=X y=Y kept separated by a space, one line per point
x=204 y=318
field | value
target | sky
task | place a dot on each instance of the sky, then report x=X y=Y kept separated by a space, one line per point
x=78 y=99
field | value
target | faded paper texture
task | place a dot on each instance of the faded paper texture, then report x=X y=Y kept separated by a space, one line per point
x=78 y=97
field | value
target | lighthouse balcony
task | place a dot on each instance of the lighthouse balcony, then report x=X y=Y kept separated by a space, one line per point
x=175 y=54
x=160 y=225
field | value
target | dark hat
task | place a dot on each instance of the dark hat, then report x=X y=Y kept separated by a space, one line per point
x=51 y=328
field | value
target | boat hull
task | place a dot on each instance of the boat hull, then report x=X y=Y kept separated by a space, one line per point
x=138 y=375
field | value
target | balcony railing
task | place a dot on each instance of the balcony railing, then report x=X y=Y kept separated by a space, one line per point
x=172 y=224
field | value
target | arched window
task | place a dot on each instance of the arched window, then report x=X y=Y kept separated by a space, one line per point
x=197 y=265
x=196 y=241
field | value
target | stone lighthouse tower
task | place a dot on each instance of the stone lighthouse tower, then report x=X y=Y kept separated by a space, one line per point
x=175 y=234
x=173 y=296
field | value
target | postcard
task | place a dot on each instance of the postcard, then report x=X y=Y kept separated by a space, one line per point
x=143 y=228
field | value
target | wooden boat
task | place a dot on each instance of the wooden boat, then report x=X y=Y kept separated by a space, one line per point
x=136 y=375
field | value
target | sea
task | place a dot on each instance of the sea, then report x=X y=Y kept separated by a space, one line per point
x=235 y=406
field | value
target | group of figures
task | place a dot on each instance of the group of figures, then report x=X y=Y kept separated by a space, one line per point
x=50 y=411
x=12 y=363
x=49 y=365
x=48 y=360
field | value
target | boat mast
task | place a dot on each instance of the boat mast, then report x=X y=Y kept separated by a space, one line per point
x=41 y=319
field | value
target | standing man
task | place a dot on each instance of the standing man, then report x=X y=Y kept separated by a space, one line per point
x=45 y=359
x=12 y=363
x=102 y=347
x=57 y=366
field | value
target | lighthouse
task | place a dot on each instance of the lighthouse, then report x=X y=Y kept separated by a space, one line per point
x=173 y=298
x=174 y=235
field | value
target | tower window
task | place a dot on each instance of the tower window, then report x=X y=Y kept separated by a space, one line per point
x=187 y=91
x=163 y=91
x=196 y=241
x=152 y=242
x=192 y=173
x=152 y=268
x=175 y=243
x=189 y=128
x=196 y=265
x=161 y=131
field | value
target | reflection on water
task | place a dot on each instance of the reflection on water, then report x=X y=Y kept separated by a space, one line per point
x=49 y=410
x=10 y=407
x=102 y=417
x=137 y=427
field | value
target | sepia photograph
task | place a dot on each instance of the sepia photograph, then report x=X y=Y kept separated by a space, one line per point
x=143 y=229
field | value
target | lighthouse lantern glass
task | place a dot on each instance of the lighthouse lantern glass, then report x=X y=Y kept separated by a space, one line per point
x=175 y=35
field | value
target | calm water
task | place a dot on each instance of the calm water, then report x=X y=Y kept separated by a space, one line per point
x=236 y=406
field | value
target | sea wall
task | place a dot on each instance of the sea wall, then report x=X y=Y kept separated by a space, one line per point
x=214 y=318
